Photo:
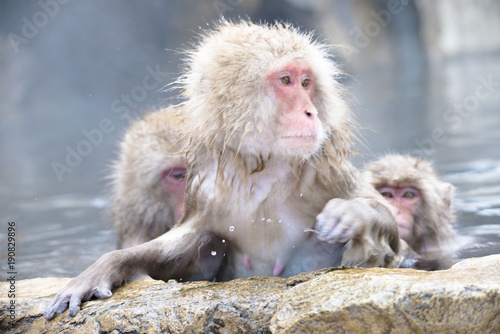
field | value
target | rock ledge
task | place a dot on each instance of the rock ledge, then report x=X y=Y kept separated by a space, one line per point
x=463 y=299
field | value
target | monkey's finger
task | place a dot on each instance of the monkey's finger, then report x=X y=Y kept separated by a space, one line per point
x=63 y=305
x=342 y=236
x=332 y=210
x=332 y=235
x=347 y=234
x=58 y=304
x=341 y=229
x=352 y=229
x=325 y=226
x=328 y=219
x=102 y=293
x=49 y=313
x=74 y=304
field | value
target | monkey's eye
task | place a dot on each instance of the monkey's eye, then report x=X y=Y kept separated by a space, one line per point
x=409 y=195
x=178 y=173
x=179 y=176
x=285 y=80
x=305 y=83
x=386 y=194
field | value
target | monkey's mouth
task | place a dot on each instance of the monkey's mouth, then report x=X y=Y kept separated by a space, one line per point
x=301 y=143
x=304 y=136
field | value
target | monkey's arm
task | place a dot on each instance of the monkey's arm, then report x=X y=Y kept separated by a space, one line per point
x=169 y=256
x=363 y=219
x=366 y=225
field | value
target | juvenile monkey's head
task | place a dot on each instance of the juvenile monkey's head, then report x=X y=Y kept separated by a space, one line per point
x=263 y=90
x=422 y=201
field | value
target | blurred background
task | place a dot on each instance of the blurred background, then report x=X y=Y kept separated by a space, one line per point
x=424 y=75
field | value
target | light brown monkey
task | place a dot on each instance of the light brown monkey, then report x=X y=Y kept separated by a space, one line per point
x=268 y=140
x=148 y=180
x=423 y=208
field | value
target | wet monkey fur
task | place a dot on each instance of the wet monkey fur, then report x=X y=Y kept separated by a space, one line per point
x=270 y=189
x=423 y=208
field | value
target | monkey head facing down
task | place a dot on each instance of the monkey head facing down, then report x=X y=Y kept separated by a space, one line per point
x=148 y=180
x=270 y=190
x=422 y=206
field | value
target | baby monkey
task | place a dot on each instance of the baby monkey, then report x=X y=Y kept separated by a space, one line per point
x=422 y=206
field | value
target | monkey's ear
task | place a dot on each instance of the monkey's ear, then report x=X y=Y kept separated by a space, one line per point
x=448 y=192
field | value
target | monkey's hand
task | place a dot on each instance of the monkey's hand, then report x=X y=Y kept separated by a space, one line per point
x=342 y=220
x=96 y=281
x=366 y=225
x=162 y=258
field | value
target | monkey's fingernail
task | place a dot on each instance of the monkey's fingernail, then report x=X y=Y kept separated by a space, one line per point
x=48 y=315
x=334 y=237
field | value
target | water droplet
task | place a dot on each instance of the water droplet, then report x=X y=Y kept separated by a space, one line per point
x=301 y=194
x=310 y=230
x=269 y=220
x=231 y=228
x=213 y=253
x=263 y=219
x=252 y=221
x=280 y=221
x=223 y=241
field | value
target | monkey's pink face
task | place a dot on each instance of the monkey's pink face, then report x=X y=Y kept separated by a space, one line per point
x=406 y=201
x=173 y=180
x=299 y=128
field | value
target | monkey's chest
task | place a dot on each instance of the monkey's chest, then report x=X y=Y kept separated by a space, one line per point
x=277 y=245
